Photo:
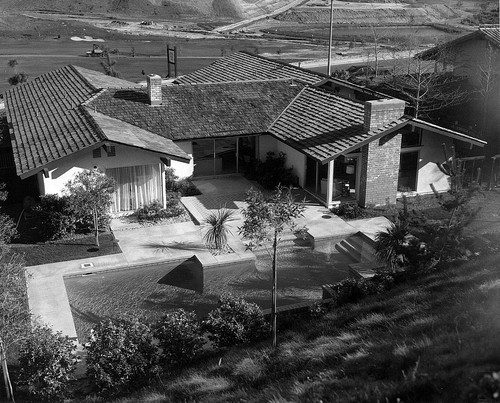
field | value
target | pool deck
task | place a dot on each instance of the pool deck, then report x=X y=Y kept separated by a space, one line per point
x=176 y=242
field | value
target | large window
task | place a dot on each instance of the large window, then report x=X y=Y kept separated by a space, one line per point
x=135 y=186
x=408 y=169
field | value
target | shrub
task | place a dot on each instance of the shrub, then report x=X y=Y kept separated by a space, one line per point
x=57 y=217
x=183 y=186
x=46 y=361
x=272 y=172
x=179 y=335
x=7 y=229
x=235 y=321
x=350 y=211
x=151 y=212
x=154 y=211
x=172 y=204
x=216 y=235
x=120 y=353
x=351 y=290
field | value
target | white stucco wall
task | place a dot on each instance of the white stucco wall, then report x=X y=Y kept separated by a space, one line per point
x=183 y=170
x=61 y=171
x=294 y=159
x=430 y=153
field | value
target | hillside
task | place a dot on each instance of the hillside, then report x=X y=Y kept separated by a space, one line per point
x=167 y=9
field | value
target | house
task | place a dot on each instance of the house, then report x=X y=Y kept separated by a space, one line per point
x=217 y=121
x=475 y=57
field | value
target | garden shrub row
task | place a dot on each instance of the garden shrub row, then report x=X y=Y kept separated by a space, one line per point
x=124 y=354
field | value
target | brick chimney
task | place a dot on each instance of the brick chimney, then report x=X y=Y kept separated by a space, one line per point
x=382 y=111
x=154 y=89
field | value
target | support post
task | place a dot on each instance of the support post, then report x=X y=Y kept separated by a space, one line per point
x=329 y=191
x=330 y=41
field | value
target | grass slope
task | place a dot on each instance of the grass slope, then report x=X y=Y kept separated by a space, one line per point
x=429 y=340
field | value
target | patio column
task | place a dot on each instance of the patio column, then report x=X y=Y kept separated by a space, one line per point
x=163 y=185
x=329 y=191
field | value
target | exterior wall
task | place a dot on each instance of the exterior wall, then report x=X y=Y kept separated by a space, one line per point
x=294 y=159
x=471 y=56
x=266 y=143
x=379 y=171
x=183 y=170
x=63 y=170
x=430 y=154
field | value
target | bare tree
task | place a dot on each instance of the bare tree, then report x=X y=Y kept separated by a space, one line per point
x=489 y=81
x=426 y=85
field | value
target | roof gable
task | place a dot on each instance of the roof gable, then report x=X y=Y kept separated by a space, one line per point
x=45 y=120
x=323 y=125
x=243 y=66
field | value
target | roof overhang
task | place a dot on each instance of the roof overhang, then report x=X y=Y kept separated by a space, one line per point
x=447 y=132
x=120 y=132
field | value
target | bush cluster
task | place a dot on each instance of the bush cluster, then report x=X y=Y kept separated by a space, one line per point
x=350 y=211
x=352 y=290
x=272 y=172
x=59 y=217
x=235 y=321
x=182 y=186
x=47 y=361
x=120 y=354
x=125 y=353
x=180 y=338
x=154 y=211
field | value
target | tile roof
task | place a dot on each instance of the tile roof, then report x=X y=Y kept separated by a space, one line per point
x=323 y=125
x=124 y=133
x=45 y=118
x=201 y=111
x=243 y=66
x=492 y=34
x=101 y=80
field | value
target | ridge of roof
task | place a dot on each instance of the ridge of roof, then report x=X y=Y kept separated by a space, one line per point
x=244 y=66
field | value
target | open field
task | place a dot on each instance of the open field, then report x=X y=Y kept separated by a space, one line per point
x=40 y=56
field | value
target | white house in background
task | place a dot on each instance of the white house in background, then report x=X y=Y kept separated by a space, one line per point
x=219 y=120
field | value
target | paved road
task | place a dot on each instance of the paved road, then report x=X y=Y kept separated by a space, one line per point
x=248 y=21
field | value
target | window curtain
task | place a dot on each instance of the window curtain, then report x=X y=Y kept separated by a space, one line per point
x=135 y=186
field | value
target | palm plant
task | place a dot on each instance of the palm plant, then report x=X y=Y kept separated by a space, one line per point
x=391 y=247
x=216 y=235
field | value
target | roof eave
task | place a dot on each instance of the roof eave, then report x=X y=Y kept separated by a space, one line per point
x=448 y=132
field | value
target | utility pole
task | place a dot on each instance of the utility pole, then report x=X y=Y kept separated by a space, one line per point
x=331 y=40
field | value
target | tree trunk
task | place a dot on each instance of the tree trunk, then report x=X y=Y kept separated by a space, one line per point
x=96 y=227
x=6 y=377
x=275 y=282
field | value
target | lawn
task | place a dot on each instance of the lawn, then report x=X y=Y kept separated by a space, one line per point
x=81 y=247
x=302 y=271
x=429 y=340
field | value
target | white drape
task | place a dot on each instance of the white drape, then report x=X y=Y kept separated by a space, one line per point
x=135 y=186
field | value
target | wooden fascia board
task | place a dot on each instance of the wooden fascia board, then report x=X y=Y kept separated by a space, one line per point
x=447 y=132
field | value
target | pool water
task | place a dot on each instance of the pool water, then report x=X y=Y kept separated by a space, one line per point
x=301 y=272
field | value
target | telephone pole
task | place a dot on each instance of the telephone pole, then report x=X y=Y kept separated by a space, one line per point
x=331 y=40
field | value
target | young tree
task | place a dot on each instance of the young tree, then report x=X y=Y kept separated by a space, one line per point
x=109 y=65
x=19 y=77
x=91 y=190
x=265 y=221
